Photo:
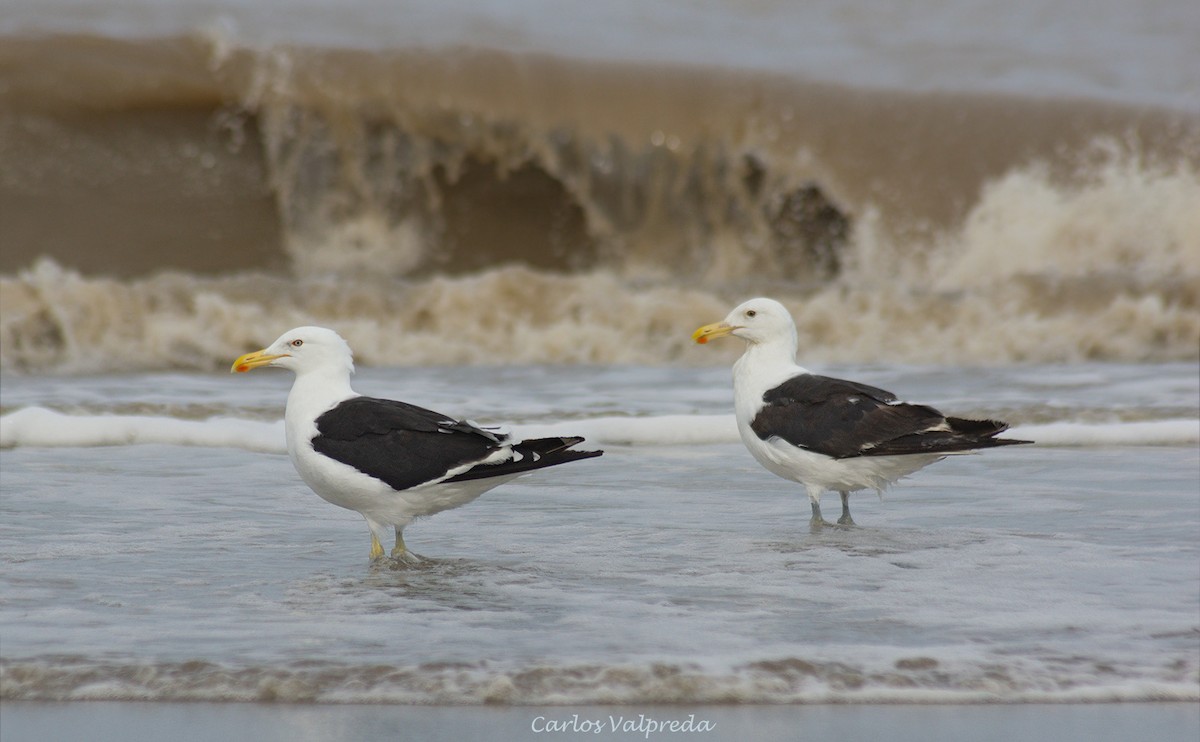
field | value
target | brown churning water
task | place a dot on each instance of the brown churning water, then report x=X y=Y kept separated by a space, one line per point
x=167 y=201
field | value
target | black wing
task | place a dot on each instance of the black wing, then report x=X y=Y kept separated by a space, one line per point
x=405 y=445
x=399 y=443
x=843 y=419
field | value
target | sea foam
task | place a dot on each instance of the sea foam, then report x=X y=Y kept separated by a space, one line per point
x=39 y=427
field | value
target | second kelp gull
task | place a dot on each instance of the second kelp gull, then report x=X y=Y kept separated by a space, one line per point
x=390 y=461
x=826 y=433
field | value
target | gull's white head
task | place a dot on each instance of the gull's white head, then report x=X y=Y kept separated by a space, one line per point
x=301 y=350
x=757 y=321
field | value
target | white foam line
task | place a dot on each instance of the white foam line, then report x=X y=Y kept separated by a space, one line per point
x=640 y=431
x=1145 y=433
x=41 y=427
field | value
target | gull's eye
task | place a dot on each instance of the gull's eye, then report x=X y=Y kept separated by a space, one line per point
x=751 y=313
x=296 y=343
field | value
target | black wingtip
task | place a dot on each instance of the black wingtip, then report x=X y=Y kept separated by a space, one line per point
x=575 y=440
x=545 y=446
x=557 y=448
x=1007 y=442
x=536 y=453
x=983 y=431
x=976 y=428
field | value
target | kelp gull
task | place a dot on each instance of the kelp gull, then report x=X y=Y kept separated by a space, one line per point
x=390 y=461
x=826 y=433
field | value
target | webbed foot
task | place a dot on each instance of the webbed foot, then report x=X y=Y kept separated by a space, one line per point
x=404 y=556
x=401 y=554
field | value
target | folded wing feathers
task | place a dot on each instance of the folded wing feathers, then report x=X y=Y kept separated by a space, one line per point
x=844 y=419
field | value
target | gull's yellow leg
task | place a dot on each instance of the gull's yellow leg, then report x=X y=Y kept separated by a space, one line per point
x=376 y=547
x=401 y=553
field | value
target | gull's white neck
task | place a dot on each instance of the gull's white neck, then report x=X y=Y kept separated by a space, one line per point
x=763 y=366
x=313 y=393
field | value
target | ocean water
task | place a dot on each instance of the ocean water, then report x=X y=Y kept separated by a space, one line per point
x=961 y=183
x=672 y=570
x=518 y=212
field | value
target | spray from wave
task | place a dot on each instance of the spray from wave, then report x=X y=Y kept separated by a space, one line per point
x=483 y=207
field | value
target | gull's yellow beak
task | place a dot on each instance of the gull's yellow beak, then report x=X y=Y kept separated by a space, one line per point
x=253 y=360
x=709 y=332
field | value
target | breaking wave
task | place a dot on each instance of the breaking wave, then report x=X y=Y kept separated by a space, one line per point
x=482 y=207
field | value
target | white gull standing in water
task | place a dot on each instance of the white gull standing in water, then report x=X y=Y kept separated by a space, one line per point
x=390 y=461
x=826 y=433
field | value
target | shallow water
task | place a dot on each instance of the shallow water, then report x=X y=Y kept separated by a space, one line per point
x=668 y=572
